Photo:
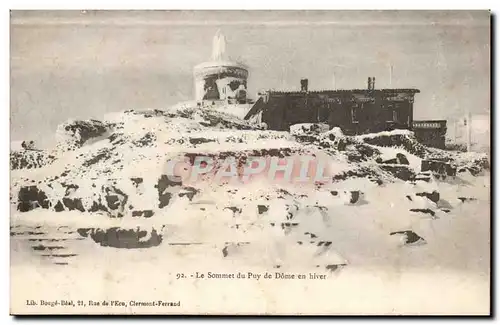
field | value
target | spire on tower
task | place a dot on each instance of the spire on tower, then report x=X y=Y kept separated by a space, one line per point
x=218 y=46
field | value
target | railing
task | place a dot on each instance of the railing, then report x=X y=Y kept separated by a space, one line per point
x=429 y=124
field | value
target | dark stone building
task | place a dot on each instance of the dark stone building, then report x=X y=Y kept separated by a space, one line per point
x=355 y=111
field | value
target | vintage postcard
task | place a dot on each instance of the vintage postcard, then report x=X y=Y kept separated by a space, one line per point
x=250 y=162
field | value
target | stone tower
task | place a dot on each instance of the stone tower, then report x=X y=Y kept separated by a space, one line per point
x=220 y=79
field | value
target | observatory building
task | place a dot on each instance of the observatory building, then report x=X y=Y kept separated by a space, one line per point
x=220 y=79
x=221 y=83
x=355 y=111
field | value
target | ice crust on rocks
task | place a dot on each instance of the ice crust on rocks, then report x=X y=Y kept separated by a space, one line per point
x=111 y=176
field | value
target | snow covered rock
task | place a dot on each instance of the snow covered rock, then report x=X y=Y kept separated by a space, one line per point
x=400 y=159
x=434 y=196
x=408 y=237
x=429 y=212
x=308 y=132
x=399 y=171
x=29 y=159
x=360 y=152
x=31 y=197
x=348 y=197
x=123 y=238
x=397 y=138
x=475 y=165
x=440 y=168
x=334 y=139
x=118 y=170
x=308 y=128
x=73 y=133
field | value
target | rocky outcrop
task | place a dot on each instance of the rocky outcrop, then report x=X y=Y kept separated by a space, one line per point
x=399 y=138
x=29 y=159
x=102 y=155
x=360 y=172
x=74 y=133
x=425 y=177
x=116 y=200
x=262 y=208
x=197 y=140
x=466 y=199
x=90 y=181
x=426 y=211
x=402 y=172
x=97 y=206
x=230 y=248
x=188 y=192
x=73 y=204
x=433 y=196
x=235 y=210
x=355 y=195
x=334 y=140
x=145 y=141
x=360 y=152
x=123 y=238
x=31 y=197
x=308 y=132
x=349 y=197
x=216 y=119
x=137 y=181
x=400 y=160
x=143 y=213
x=164 y=183
x=109 y=198
x=409 y=237
x=440 y=168
x=242 y=155
x=334 y=267
x=474 y=166
x=308 y=128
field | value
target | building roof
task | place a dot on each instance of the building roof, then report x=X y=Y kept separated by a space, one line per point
x=221 y=63
x=345 y=91
x=429 y=121
x=259 y=104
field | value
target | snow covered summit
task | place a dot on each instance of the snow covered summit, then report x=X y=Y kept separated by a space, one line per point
x=112 y=177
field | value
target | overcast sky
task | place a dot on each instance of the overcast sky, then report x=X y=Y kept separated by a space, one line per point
x=73 y=64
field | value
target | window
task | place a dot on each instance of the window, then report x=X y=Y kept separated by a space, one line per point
x=388 y=113
x=354 y=114
x=324 y=112
x=392 y=113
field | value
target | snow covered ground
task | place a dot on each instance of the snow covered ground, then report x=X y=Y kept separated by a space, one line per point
x=355 y=231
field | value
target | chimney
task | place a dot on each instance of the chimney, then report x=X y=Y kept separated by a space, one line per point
x=303 y=84
x=369 y=83
x=373 y=83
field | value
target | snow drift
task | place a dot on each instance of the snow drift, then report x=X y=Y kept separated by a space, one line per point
x=108 y=181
